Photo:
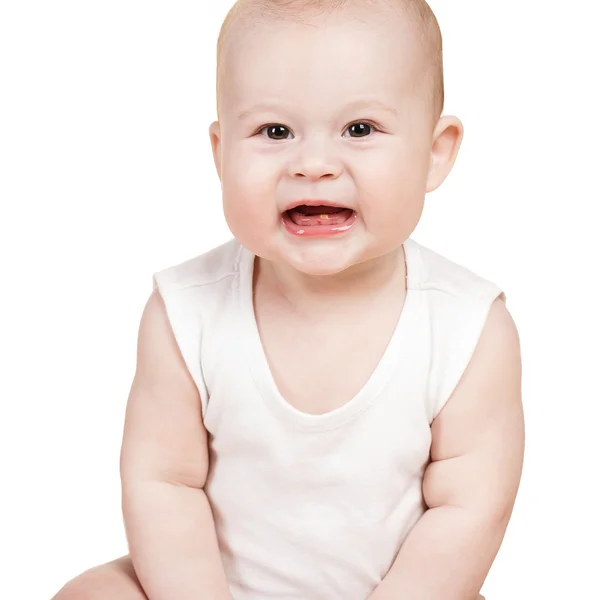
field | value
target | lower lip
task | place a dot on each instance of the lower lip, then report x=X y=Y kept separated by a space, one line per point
x=318 y=230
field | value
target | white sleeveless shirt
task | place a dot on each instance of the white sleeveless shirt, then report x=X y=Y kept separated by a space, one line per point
x=316 y=507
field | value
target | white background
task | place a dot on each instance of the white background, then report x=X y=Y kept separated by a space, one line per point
x=106 y=176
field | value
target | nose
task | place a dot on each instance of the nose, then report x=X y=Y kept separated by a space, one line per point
x=315 y=159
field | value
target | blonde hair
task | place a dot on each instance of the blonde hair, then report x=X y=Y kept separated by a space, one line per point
x=248 y=13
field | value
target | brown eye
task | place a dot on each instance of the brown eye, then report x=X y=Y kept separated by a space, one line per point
x=360 y=129
x=276 y=132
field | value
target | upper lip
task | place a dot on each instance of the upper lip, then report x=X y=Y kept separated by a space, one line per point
x=312 y=202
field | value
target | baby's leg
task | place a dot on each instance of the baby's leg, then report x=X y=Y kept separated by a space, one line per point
x=113 y=581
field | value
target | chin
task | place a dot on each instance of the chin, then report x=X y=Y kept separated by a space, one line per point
x=322 y=270
x=320 y=261
x=316 y=257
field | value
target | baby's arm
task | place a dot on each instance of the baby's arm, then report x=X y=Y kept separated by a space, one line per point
x=164 y=465
x=471 y=484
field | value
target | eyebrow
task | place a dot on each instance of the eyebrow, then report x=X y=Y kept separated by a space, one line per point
x=375 y=104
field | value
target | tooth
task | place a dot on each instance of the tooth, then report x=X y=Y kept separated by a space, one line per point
x=325 y=217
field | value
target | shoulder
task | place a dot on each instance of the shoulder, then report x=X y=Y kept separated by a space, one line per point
x=484 y=415
x=478 y=438
x=452 y=281
x=156 y=345
x=208 y=267
x=189 y=301
x=461 y=306
x=492 y=378
x=160 y=367
x=500 y=335
x=163 y=437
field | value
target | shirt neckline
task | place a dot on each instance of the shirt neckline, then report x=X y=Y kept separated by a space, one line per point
x=395 y=355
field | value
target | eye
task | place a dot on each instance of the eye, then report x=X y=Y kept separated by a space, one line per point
x=360 y=129
x=275 y=132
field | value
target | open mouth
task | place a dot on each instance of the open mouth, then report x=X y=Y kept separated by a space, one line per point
x=318 y=220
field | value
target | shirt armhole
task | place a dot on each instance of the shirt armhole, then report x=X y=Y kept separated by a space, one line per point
x=186 y=334
x=459 y=355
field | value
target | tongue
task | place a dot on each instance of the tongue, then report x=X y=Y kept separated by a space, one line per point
x=309 y=216
x=318 y=210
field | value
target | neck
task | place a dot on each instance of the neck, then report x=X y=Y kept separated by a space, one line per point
x=358 y=283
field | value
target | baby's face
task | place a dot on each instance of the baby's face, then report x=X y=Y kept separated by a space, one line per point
x=337 y=113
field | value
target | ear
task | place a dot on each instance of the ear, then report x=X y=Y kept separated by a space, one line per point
x=215 y=141
x=447 y=138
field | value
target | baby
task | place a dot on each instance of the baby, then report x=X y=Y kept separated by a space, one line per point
x=323 y=408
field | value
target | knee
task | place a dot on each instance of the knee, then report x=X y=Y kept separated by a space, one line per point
x=86 y=586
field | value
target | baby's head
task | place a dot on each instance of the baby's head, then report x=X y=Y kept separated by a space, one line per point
x=335 y=102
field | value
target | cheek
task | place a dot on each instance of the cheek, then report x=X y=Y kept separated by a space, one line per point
x=249 y=174
x=244 y=178
x=393 y=181
x=248 y=187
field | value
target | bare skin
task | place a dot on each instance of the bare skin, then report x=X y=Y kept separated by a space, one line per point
x=115 y=580
x=477 y=439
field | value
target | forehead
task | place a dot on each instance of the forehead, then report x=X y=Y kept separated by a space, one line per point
x=328 y=61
